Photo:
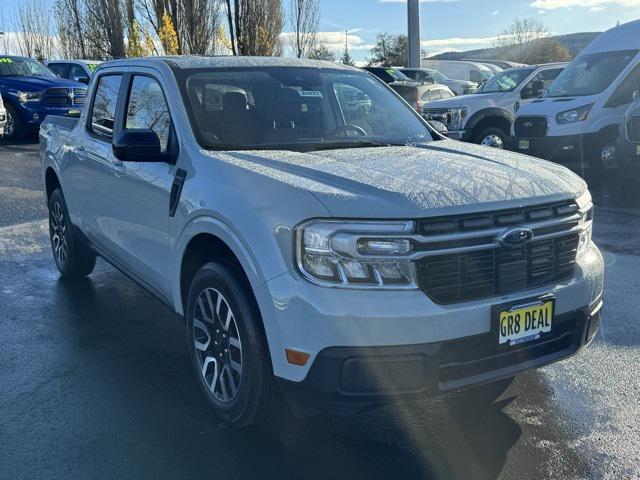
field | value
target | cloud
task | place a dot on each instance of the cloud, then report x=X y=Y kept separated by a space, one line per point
x=334 y=41
x=458 y=42
x=495 y=12
x=558 y=4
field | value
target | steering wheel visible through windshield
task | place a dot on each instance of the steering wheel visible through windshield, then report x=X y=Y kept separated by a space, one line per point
x=506 y=81
x=18 y=67
x=296 y=109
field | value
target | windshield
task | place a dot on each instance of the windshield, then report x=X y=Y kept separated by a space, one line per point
x=486 y=75
x=14 y=67
x=506 y=81
x=439 y=77
x=296 y=109
x=397 y=75
x=590 y=74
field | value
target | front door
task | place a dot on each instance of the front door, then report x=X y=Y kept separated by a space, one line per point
x=139 y=191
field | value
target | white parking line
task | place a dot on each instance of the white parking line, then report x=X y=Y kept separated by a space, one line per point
x=24 y=238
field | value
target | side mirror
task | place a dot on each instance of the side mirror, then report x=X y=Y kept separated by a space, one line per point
x=439 y=127
x=137 y=145
x=84 y=80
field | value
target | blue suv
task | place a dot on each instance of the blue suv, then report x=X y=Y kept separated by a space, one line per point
x=31 y=92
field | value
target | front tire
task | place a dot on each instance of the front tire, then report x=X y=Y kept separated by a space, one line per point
x=492 y=137
x=603 y=158
x=73 y=259
x=15 y=129
x=228 y=346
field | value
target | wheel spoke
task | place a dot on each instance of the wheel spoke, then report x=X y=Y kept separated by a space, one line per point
x=235 y=365
x=202 y=346
x=234 y=342
x=203 y=311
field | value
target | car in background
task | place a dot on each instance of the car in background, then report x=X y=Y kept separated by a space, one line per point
x=628 y=144
x=494 y=68
x=431 y=75
x=578 y=120
x=460 y=70
x=503 y=64
x=417 y=94
x=31 y=91
x=486 y=116
x=3 y=118
x=76 y=70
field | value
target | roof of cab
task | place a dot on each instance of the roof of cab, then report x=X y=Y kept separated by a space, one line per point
x=622 y=37
x=227 y=61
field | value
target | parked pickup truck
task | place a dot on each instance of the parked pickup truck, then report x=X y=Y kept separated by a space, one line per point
x=329 y=253
x=486 y=116
x=3 y=117
x=31 y=92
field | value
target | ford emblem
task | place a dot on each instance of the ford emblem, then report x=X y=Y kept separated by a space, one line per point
x=515 y=237
x=528 y=124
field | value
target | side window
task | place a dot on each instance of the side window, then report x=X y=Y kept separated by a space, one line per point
x=475 y=76
x=147 y=109
x=628 y=90
x=58 y=68
x=76 y=71
x=103 y=112
x=539 y=83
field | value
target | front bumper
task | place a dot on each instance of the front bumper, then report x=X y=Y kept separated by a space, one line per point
x=3 y=121
x=561 y=149
x=34 y=114
x=345 y=380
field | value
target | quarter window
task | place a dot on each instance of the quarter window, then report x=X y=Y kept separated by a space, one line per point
x=147 y=109
x=103 y=113
x=76 y=71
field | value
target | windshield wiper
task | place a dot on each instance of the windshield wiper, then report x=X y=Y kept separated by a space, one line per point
x=356 y=144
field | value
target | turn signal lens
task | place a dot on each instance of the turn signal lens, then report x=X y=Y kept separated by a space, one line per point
x=295 y=357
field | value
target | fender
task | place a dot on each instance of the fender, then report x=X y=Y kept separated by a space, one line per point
x=485 y=113
x=213 y=226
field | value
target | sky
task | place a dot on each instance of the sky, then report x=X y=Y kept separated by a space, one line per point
x=448 y=24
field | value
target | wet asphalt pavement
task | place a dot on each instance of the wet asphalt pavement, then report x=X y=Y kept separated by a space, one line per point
x=95 y=382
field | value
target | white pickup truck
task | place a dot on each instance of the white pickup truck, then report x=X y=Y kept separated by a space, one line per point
x=342 y=257
x=486 y=116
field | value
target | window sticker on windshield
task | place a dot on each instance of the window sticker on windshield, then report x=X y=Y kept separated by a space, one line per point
x=5 y=60
x=92 y=67
x=310 y=93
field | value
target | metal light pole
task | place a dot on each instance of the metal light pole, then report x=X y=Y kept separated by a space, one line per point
x=413 y=22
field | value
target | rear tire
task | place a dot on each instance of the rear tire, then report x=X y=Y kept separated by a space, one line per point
x=228 y=346
x=73 y=259
x=491 y=137
x=15 y=129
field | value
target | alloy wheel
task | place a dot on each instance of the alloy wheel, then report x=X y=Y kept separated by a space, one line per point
x=608 y=156
x=58 y=233
x=10 y=126
x=217 y=344
x=493 y=140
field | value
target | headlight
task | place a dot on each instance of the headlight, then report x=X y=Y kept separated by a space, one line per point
x=579 y=114
x=24 y=97
x=455 y=117
x=586 y=222
x=357 y=254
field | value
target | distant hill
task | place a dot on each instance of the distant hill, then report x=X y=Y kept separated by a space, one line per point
x=575 y=42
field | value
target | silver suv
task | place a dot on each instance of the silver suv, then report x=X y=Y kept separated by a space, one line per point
x=319 y=240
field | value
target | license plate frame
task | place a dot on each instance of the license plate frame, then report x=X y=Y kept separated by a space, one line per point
x=498 y=310
x=524 y=144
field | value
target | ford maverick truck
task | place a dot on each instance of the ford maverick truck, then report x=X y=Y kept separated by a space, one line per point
x=336 y=256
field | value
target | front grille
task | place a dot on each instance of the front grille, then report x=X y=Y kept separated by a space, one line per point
x=531 y=127
x=438 y=114
x=633 y=129
x=65 y=97
x=463 y=259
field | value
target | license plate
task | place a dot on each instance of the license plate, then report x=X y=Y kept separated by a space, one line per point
x=524 y=144
x=525 y=322
x=74 y=113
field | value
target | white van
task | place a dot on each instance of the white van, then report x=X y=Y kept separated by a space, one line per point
x=579 y=117
x=461 y=70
